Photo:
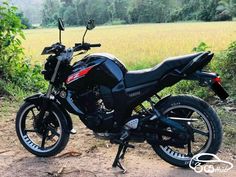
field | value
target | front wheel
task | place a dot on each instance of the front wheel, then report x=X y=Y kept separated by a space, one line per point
x=42 y=137
x=203 y=121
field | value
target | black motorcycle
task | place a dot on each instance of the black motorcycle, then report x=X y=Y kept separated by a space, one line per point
x=122 y=104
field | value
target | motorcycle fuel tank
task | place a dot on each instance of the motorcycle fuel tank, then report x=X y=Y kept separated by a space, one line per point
x=96 y=69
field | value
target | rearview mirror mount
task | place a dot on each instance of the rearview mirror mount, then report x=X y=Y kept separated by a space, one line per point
x=61 y=27
x=90 y=25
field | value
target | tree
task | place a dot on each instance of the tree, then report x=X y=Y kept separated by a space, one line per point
x=207 y=10
x=50 y=12
x=233 y=7
x=13 y=66
x=24 y=20
x=150 y=11
x=70 y=16
x=120 y=9
x=224 y=11
x=77 y=12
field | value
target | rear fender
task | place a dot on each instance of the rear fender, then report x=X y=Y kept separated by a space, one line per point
x=161 y=101
x=38 y=99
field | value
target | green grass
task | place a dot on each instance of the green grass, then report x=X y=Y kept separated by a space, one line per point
x=12 y=91
x=229 y=127
x=8 y=108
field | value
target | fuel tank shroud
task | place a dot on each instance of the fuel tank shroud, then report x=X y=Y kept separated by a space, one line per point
x=107 y=71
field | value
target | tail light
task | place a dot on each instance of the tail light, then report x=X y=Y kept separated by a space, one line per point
x=216 y=79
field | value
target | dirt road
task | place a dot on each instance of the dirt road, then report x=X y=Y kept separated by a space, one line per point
x=86 y=156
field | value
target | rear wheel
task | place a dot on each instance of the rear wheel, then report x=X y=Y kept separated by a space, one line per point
x=203 y=121
x=45 y=137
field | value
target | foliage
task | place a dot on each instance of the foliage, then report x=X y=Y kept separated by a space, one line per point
x=50 y=12
x=13 y=67
x=149 y=11
x=24 y=20
x=230 y=62
x=77 y=12
x=11 y=90
x=225 y=65
x=204 y=10
x=27 y=76
x=32 y=9
x=224 y=11
x=201 y=47
x=10 y=33
x=207 y=10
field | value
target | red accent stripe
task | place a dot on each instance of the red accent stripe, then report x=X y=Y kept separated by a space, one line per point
x=85 y=71
x=78 y=74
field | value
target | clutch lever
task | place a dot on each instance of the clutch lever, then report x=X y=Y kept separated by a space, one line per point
x=80 y=53
x=83 y=52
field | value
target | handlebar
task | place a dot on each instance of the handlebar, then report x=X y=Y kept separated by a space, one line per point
x=95 y=45
x=85 y=46
x=58 y=48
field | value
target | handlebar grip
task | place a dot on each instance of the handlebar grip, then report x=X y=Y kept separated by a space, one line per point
x=95 y=45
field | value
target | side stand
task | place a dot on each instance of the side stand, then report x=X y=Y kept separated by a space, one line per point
x=121 y=149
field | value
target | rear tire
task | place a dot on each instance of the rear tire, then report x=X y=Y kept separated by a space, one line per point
x=58 y=127
x=215 y=134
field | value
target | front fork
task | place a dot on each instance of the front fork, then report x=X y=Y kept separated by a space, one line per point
x=45 y=102
x=49 y=91
x=50 y=88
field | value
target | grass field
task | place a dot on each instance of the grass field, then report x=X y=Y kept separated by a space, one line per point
x=138 y=46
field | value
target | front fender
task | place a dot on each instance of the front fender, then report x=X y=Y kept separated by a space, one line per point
x=39 y=98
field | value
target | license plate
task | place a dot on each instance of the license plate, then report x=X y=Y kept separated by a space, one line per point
x=219 y=90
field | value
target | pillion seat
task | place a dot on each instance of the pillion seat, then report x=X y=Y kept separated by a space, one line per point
x=138 y=77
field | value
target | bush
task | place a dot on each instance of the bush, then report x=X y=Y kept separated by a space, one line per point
x=24 y=20
x=27 y=76
x=13 y=67
x=225 y=62
x=10 y=33
x=201 y=47
x=229 y=64
x=225 y=65
x=224 y=16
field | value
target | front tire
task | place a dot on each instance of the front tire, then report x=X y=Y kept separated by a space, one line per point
x=42 y=139
x=177 y=104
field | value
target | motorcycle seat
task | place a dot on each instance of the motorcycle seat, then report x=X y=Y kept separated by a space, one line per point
x=138 y=77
